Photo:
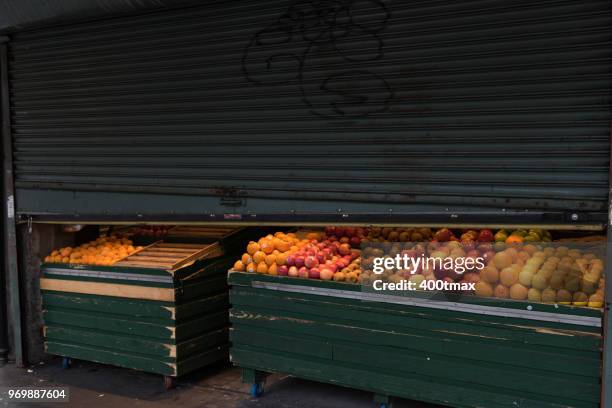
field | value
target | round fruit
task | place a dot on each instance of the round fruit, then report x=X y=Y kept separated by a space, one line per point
x=251 y=267
x=596 y=300
x=273 y=269
x=580 y=299
x=484 y=289
x=281 y=259
x=266 y=246
x=293 y=271
x=252 y=247
x=417 y=279
x=282 y=270
x=326 y=274
x=535 y=295
x=490 y=274
x=509 y=276
x=525 y=277
x=239 y=266
x=518 y=292
x=502 y=260
x=259 y=257
x=539 y=281
x=339 y=276
x=270 y=259
x=564 y=297
x=262 y=267
x=549 y=295
x=246 y=259
x=501 y=292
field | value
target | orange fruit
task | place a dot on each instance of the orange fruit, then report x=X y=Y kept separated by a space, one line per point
x=281 y=259
x=246 y=259
x=252 y=247
x=514 y=239
x=267 y=247
x=272 y=270
x=262 y=267
x=282 y=246
x=259 y=257
x=239 y=266
x=270 y=259
x=251 y=267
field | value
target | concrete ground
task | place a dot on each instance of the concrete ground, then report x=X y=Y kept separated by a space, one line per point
x=99 y=386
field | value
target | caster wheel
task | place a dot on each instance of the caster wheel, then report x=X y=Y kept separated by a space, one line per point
x=169 y=382
x=66 y=363
x=257 y=390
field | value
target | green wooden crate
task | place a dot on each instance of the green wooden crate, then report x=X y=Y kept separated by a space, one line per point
x=473 y=353
x=144 y=319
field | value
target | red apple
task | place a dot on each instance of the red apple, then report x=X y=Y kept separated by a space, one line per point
x=443 y=235
x=486 y=235
x=314 y=273
x=282 y=270
x=291 y=260
x=303 y=272
x=311 y=262
x=299 y=261
x=355 y=241
x=293 y=271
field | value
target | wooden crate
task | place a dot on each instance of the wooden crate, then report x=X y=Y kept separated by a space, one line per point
x=170 y=256
x=470 y=354
x=168 y=322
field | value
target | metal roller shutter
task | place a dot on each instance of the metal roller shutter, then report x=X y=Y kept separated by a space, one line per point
x=277 y=107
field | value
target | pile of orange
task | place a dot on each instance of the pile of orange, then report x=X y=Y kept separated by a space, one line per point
x=102 y=251
x=270 y=252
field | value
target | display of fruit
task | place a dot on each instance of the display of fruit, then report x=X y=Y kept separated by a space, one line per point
x=517 y=265
x=561 y=275
x=103 y=251
x=520 y=236
x=317 y=256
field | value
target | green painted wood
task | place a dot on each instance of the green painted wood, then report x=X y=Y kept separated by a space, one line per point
x=113 y=357
x=110 y=323
x=169 y=338
x=198 y=360
x=384 y=382
x=112 y=305
x=443 y=356
x=247 y=279
x=411 y=318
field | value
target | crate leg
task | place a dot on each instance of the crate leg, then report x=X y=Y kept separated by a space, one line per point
x=169 y=382
x=383 y=401
x=257 y=380
x=66 y=363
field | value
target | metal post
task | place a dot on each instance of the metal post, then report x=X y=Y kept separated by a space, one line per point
x=3 y=292
x=10 y=235
x=606 y=380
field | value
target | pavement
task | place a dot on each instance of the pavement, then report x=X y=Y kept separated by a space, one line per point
x=100 y=386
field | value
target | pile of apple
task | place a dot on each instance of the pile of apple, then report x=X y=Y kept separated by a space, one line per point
x=346 y=235
x=388 y=234
x=326 y=260
x=317 y=256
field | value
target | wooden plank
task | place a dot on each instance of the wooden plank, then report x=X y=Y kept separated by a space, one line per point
x=110 y=324
x=104 y=356
x=100 y=338
x=385 y=382
x=154 y=259
x=207 y=251
x=93 y=303
x=108 y=289
x=178 y=245
x=135 y=264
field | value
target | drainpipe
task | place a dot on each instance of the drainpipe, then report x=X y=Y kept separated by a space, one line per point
x=8 y=211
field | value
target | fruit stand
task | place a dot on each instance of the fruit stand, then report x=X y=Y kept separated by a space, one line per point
x=508 y=344
x=161 y=309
